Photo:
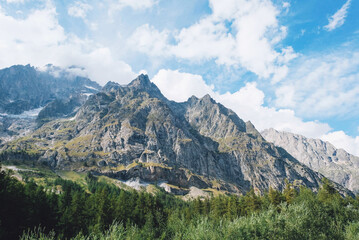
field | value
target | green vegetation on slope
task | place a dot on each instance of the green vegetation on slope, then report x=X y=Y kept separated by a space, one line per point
x=65 y=210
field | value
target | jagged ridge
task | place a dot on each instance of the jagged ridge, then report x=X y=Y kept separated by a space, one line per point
x=336 y=164
x=133 y=131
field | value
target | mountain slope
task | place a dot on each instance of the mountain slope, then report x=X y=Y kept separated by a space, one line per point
x=336 y=164
x=133 y=132
x=26 y=92
x=23 y=88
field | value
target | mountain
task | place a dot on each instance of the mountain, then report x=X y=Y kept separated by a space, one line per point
x=28 y=94
x=11 y=128
x=133 y=133
x=336 y=164
x=23 y=88
x=61 y=108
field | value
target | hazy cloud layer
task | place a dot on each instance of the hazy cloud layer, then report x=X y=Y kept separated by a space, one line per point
x=322 y=85
x=79 y=9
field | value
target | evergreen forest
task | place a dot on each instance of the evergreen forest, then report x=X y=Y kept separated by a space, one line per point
x=104 y=211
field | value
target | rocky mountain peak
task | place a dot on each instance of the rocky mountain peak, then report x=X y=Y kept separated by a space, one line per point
x=16 y=68
x=321 y=156
x=193 y=98
x=208 y=99
x=142 y=81
x=111 y=86
x=250 y=128
x=143 y=84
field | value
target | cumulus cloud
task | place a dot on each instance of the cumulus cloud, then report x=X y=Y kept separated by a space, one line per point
x=39 y=39
x=338 y=18
x=247 y=102
x=203 y=41
x=340 y=140
x=179 y=86
x=323 y=85
x=79 y=9
x=237 y=33
x=148 y=39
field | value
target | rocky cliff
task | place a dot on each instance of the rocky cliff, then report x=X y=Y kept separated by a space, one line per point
x=134 y=132
x=27 y=94
x=23 y=88
x=335 y=164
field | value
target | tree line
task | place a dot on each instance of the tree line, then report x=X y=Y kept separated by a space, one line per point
x=65 y=210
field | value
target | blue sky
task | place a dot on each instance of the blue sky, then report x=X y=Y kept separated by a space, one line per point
x=292 y=65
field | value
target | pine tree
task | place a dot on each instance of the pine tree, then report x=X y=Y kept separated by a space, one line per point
x=275 y=197
x=289 y=192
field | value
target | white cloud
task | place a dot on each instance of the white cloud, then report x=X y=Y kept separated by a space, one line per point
x=322 y=86
x=340 y=140
x=39 y=39
x=237 y=33
x=178 y=86
x=248 y=103
x=79 y=9
x=15 y=1
x=286 y=4
x=138 y=4
x=148 y=39
x=117 y=5
x=204 y=40
x=338 y=18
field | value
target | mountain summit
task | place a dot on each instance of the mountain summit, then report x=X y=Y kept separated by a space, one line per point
x=133 y=132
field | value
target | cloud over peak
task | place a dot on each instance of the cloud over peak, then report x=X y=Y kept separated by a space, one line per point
x=39 y=39
x=247 y=102
x=237 y=33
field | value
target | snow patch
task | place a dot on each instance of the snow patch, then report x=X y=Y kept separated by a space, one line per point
x=165 y=187
x=135 y=183
x=26 y=114
x=14 y=168
x=92 y=88
x=87 y=94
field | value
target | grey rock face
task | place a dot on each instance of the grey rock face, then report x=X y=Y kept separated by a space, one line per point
x=133 y=131
x=335 y=164
x=23 y=88
x=13 y=128
x=61 y=108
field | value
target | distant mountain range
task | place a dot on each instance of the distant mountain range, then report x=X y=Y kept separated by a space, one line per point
x=336 y=164
x=23 y=88
x=133 y=133
x=26 y=93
